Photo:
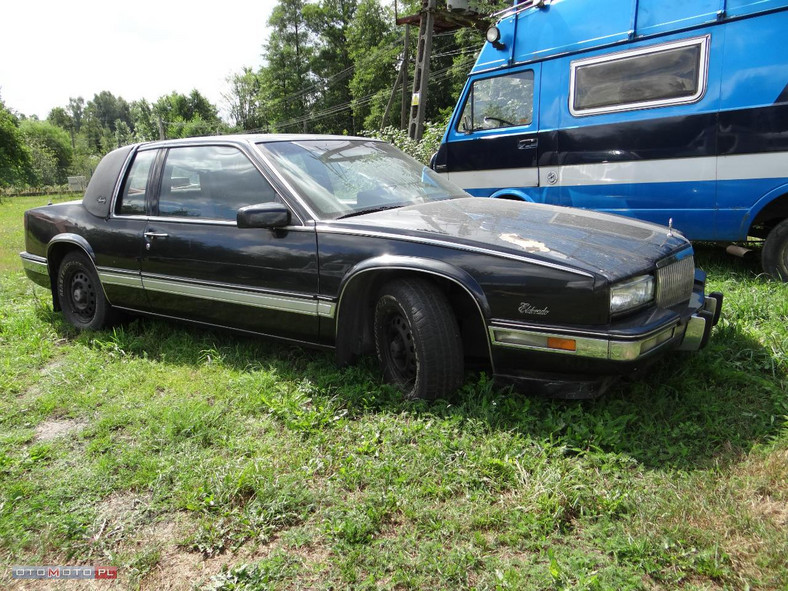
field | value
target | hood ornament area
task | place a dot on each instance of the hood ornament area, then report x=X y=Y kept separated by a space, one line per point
x=670 y=227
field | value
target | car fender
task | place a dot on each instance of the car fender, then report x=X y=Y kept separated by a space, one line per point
x=351 y=283
x=55 y=244
x=421 y=265
x=74 y=239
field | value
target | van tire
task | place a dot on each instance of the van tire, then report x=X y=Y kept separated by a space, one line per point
x=775 y=252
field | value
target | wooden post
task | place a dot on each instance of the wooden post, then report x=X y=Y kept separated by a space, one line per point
x=421 y=76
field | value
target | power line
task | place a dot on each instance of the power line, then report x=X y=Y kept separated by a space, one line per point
x=438 y=76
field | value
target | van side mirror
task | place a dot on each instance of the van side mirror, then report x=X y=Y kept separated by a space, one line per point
x=263 y=215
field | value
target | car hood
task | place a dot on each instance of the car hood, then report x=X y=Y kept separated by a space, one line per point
x=610 y=245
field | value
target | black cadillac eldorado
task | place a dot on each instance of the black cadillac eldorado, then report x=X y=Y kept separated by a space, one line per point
x=347 y=244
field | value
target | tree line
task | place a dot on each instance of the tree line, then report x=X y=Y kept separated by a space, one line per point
x=73 y=138
x=329 y=66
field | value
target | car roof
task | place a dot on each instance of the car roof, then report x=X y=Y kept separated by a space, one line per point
x=253 y=138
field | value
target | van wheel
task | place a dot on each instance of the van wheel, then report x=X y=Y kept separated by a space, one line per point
x=418 y=340
x=775 y=252
x=80 y=293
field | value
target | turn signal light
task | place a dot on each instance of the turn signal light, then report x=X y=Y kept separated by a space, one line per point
x=565 y=344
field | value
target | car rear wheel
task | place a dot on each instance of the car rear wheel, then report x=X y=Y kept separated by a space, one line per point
x=80 y=294
x=775 y=252
x=418 y=339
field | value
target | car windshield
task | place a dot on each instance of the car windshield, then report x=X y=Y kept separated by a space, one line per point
x=342 y=178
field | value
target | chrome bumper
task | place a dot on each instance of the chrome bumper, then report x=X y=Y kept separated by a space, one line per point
x=700 y=324
x=691 y=336
x=36 y=268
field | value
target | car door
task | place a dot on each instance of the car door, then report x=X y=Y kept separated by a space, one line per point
x=198 y=265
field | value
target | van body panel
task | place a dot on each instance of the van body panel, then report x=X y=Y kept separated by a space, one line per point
x=707 y=156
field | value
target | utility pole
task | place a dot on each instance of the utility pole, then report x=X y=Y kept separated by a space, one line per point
x=430 y=19
x=421 y=76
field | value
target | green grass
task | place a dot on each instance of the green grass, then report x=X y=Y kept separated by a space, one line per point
x=210 y=460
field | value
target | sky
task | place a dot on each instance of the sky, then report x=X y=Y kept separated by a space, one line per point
x=51 y=51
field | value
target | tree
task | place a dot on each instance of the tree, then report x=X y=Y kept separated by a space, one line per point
x=143 y=121
x=76 y=108
x=63 y=119
x=244 y=100
x=108 y=109
x=286 y=85
x=375 y=50
x=185 y=116
x=15 y=157
x=51 y=151
x=330 y=21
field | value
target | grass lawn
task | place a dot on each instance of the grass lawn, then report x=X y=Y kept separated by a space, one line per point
x=196 y=459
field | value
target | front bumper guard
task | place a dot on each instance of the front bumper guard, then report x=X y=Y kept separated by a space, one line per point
x=700 y=324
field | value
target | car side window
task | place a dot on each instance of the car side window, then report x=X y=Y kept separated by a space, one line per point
x=210 y=182
x=132 y=198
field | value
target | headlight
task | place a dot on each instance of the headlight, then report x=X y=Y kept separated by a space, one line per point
x=631 y=294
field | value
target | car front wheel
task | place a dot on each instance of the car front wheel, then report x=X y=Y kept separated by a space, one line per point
x=775 y=252
x=418 y=339
x=80 y=294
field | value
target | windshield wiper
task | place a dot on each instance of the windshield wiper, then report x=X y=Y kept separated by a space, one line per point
x=371 y=210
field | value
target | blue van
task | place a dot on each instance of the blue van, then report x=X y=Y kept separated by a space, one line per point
x=671 y=111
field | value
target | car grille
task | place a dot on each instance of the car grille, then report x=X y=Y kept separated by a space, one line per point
x=675 y=281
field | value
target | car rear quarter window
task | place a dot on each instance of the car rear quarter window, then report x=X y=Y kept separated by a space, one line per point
x=132 y=198
x=210 y=182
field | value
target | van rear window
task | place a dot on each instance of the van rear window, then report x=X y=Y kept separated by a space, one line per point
x=666 y=74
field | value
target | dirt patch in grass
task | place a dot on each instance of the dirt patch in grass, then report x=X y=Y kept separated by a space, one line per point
x=180 y=569
x=54 y=428
x=774 y=511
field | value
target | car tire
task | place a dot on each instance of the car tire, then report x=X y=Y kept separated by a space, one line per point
x=418 y=339
x=80 y=293
x=775 y=252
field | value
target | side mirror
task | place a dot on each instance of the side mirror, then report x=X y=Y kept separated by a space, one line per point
x=263 y=215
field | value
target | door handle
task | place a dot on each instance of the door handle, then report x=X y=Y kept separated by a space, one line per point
x=527 y=143
x=155 y=235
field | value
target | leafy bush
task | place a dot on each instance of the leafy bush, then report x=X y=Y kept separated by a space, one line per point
x=423 y=150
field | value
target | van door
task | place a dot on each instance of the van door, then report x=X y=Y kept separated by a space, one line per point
x=492 y=140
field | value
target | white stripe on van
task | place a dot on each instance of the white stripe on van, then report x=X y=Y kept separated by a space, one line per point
x=738 y=167
x=490 y=179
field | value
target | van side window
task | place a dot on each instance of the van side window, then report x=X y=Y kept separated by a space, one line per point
x=658 y=76
x=503 y=101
